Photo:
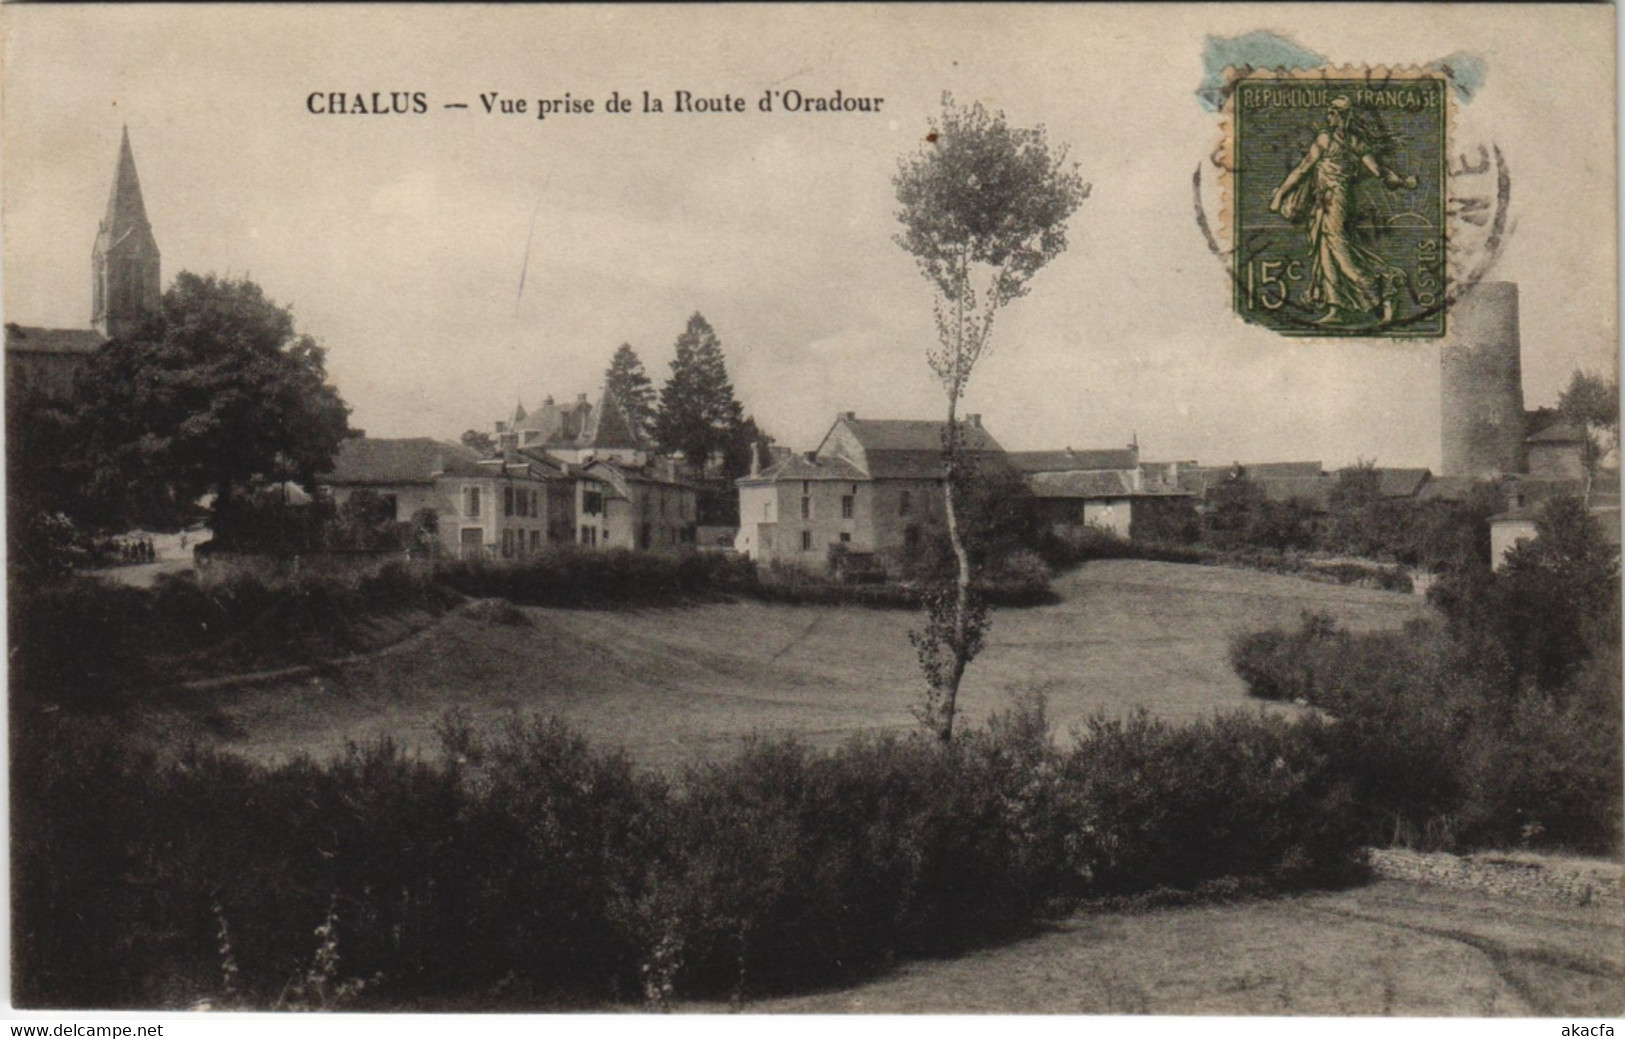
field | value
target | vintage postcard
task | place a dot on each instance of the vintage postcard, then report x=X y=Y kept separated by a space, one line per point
x=1101 y=510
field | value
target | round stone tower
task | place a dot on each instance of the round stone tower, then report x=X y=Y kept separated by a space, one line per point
x=1481 y=383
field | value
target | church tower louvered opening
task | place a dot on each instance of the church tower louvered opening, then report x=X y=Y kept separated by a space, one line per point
x=124 y=264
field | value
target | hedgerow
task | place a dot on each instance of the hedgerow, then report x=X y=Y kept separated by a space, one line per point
x=523 y=867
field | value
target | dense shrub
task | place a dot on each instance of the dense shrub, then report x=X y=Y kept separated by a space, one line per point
x=1499 y=725
x=571 y=577
x=526 y=868
x=1238 y=796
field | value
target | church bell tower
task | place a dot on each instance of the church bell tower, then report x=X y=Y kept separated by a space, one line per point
x=124 y=264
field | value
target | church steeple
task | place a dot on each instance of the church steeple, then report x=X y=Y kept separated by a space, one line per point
x=124 y=263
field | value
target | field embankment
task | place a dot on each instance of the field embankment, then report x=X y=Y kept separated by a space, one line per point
x=1389 y=948
x=680 y=684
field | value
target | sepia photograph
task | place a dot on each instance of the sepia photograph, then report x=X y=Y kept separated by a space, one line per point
x=1104 y=511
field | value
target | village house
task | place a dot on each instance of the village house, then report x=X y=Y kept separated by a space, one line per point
x=489 y=508
x=1104 y=489
x=623 y=494
x=871 y=486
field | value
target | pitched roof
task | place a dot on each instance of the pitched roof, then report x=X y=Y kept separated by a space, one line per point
x=1316 y=489
x=1560 y=432
x=1080 y=485
x=911 y=449
x=1281 y=470
x=798 y=467
x=35 y=340
x=607 y=426
x=1401 y=483
x=363 y=460
x=558 y=424
x=914 y=435
x=1447 y=488
x=1073 y=461
x=126 y=212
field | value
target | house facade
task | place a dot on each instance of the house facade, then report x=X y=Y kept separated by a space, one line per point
x=613 y=490
x=872 y=486
x=494 y=508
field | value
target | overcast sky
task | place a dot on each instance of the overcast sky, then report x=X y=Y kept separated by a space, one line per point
x=400 y=240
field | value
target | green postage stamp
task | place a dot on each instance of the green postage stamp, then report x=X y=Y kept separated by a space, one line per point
x=1337 y=196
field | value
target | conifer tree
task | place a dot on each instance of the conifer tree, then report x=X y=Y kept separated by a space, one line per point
x=699 y=414
x=629 y=384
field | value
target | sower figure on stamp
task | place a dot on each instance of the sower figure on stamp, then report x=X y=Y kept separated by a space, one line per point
x=1346 y=278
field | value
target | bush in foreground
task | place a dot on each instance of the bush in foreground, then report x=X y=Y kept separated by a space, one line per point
x=524 y=867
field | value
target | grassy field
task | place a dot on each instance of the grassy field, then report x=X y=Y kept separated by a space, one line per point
x=676 y=685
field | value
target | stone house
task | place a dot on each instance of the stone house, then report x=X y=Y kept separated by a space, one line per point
x=646 y=507
x=872 y=486
x=1556 y=453
x=500 y=507
x=1121 y=503
x=622 y=495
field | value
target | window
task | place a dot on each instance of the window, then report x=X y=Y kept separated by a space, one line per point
x=806 y=541
x=592 y=502
x=806 y=508
x=767 y=510
x=535 y=503
x=589 y=536
x=507 y=501
x=472 y=506
x=535 y=541
x=846 y=537
x=911 y=535
x=846 y=506
x=905 y=503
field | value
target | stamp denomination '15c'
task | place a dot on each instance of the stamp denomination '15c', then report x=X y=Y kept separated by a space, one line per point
x=1337 y=202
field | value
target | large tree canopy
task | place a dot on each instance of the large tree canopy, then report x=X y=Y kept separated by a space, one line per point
x=699 y=414
x=217 y=388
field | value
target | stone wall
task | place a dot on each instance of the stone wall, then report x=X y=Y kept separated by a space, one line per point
x=1537 y=877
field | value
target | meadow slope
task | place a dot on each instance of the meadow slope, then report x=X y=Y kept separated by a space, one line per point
x=679 y=684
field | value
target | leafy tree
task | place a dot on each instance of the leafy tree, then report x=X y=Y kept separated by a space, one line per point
x=629 y=384
x=1552 y=605
x=1233 y=509
x=1591 y=403
x=699 y=415
x=480 y=442
x=216 y=388
x=984 y=207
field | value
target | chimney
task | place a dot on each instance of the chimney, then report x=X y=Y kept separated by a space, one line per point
x=974 y=421
x=581 y=398
x=812 y=456
x=1173 y=475
x=1139 y=480
x=547 y=401
x=850 y=416
x=755 y=458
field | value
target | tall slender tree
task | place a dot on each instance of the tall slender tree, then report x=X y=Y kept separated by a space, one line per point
x=699 y=415
x=984 y=207
x=629 y=384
